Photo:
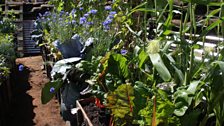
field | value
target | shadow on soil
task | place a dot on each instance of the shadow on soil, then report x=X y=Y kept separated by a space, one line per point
x=21 y=112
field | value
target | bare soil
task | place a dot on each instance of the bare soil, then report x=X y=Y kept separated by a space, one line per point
x=26 y=108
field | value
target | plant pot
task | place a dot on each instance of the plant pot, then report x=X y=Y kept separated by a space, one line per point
x=86 y=110
x=70 y=48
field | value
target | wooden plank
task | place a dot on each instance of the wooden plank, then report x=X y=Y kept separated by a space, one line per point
x=13 y=11
x=84 y=113
x=13 y=3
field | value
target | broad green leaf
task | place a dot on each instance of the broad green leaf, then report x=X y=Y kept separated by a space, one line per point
x=46 y=94
x=177 y=71
x=142 y=58
x=165 y=107
x=193 y=87
x=160 y=67
x=121 y=101
x=181 y=102
x=117 y=65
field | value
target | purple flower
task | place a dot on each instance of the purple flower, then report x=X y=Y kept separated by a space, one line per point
x=47 y=13
x=124 y=52
x=106 y=27
x=61 y=13
x=21 y=67
x=93 y=11
x=110 y=16
x=108 y=8
x=73 y=21
x=54 y=16
x=82 y=20
x=112 y=13
x=81 y=8
x=86 y=15
x=90 y=23
x=52 y=89
x=107 y=22
x=73 y=11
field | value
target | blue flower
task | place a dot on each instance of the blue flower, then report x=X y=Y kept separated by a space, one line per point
x=86 y=15
x=82 y=20
x=81 y=8
x=52 y=89
x=110 y=16
x=73 y=21
x=61 y=13
x=90 y=23
x=124 y=52
x=107 y=22
x=47 y=13
x=112 y=13
x=93 y=11
x=73 y=11
x=21 y=67
x=108 y=8
x=106 y=28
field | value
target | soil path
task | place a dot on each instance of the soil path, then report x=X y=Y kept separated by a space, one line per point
x=27 y=109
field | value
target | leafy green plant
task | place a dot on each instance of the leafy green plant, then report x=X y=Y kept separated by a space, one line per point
x=151 y=75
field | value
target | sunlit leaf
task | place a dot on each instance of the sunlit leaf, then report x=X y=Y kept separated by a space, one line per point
x=160 y=67
x=117 y=65
x=142 y=58
x=49 y=90
x=121 y=101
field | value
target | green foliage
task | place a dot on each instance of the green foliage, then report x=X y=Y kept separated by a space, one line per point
x=117 y=65
x=7 y=51
x=7 y=27
x=47 y=94
x=121 y=103
x=166 y=70
x=4 y=70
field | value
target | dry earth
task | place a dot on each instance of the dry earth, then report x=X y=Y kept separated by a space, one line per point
x=27 y=109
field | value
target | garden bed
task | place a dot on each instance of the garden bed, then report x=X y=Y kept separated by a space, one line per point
x=91 y=115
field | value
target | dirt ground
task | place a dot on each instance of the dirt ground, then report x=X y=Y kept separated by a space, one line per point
x=27 y=109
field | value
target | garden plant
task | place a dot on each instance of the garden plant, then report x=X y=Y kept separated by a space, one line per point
x=7 y=50
x=140 y=58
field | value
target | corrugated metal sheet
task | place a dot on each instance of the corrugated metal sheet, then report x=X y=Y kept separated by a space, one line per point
x=29 y=44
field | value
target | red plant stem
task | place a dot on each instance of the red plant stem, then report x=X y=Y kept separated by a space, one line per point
x=131 y=108
x=111 y=121
x=154 y=112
